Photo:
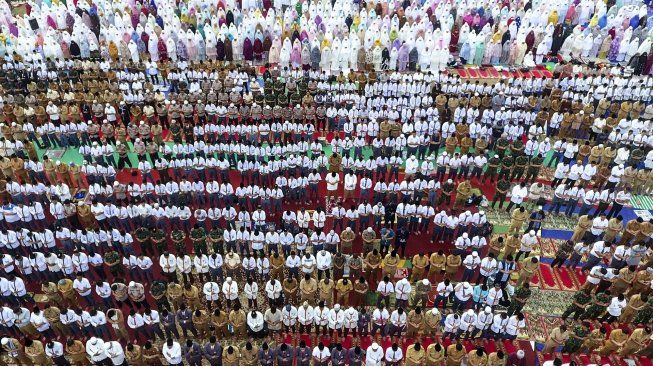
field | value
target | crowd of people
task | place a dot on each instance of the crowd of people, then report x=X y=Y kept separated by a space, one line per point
x=218 y=208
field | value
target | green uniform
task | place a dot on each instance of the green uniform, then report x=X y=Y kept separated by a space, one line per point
x=198 y=236
x=295 y=99
x=492 y=169
x=580 y=298
x=143 y=237
x=500 y=194
x=506 y=167
x=534 y=167
x=521 y=293
x=598 y=307
x=159 y=238
x=502 y=145
x=175 y=130
x=576 y=339
x=158 y=291
x=520 y=166
x=217 y=236
x=270 y=99
x=645 y=315
x=447 y=189
x=116 y=268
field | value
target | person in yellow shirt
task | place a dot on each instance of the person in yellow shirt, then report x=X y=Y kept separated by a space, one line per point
x=65 y=286
x=415 y=322
x=557 y=337
x=635 y=342
x=528 y=269
x=390 y=263
x=415 y=355
x=133 y=355
x=420 y=261
x=231 y=356
x=616 y=340
x=434 y=355
x=325 y=287
x=343 y=288
x=455 y=354
x=496 y=359
x=453 y=264
x=437 y=263
x=431 y=323
x=35 y=351
x=517 y=219
x=477 y=357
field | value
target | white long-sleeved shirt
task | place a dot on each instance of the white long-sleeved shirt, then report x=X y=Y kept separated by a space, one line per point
x=374 y=357
x=172 y=354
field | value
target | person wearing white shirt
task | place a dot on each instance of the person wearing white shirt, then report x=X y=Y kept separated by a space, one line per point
x=398 y=321
x=514 y=325
x=54 y=350
x=484 y=320
x=97 y=352
x=374 y=355
x=384 y=289
x=471 y=263
x=350 y=185
x=617 y=305
x=519 y=192
x=273 y=290
x=168 y=264
x=467 y=323
x=305 y=315
x=323 y=264
x=255 y=324
x=494 y=296
x=488 y=267
x=230 y=290
x=333 y=180
x=462 y=293
x=402 y=292
x=393 y=355
x=289 y=317
x=599 y=250
x=451 y=325
x=321 y=355
x=336 y=320
x=116 y=353
x=498 y=326
x=172 y=352
x=211 y=292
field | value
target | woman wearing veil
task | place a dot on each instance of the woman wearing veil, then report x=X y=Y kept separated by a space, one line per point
x=306 y=56
x=219 y=49
x=125 y=55
x=361 y=60
x=182 y=53
x=413 y=58
x=74 y=50
x=387 y=60
x=316 y=57
x=248 y=50
x=377 y=58
x=284 y=54
x=296 y=54
x=325 y=61
x=228 y=50
x=163 y=51
x=605 y=47
x=201 y=47
x=274 y=54
x=258 y=49
x=133 y=52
